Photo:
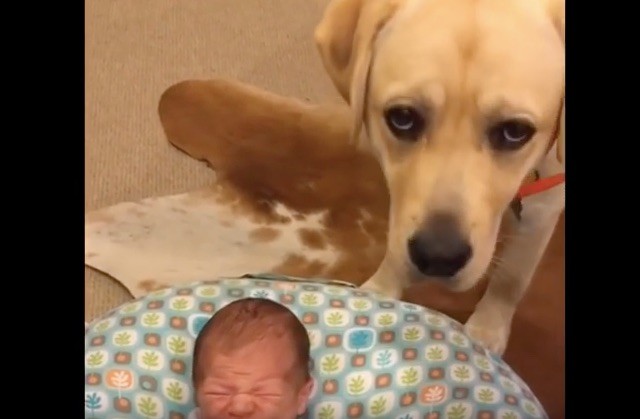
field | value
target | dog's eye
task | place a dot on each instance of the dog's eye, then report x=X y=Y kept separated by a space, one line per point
x=405 y=122
x=511 y=135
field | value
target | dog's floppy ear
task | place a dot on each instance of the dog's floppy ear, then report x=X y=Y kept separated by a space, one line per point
x=556 y=11
x=345 y=37
x=561 y=131
x=560 y=140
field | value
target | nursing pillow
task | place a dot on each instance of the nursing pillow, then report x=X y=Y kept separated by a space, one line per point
x=373 y=357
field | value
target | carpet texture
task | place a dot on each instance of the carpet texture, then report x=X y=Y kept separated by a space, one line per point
x=136 y=49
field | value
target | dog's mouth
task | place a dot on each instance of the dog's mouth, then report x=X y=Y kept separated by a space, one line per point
x=458 y=267
x=458 y=282
x=439 y=249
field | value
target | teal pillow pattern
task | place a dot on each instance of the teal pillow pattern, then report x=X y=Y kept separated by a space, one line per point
x=373 y=357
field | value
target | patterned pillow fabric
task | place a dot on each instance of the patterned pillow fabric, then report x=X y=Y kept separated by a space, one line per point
x=373 y=357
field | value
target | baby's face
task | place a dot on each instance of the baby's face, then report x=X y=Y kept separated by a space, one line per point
x=257 y=381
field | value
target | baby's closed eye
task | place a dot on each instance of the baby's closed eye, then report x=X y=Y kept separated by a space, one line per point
x=267 y=394
x=217 y=393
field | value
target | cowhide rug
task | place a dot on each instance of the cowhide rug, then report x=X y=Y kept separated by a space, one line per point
x=293 y=196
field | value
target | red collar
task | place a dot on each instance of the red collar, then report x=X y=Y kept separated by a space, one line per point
x=532 y=188
x=540 y=185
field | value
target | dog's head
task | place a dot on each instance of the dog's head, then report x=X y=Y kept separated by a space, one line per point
x=460 y=99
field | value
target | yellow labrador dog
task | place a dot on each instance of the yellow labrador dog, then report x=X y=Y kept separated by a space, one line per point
x=459 y=100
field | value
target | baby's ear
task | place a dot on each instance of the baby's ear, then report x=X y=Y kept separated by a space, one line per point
x=303 y=396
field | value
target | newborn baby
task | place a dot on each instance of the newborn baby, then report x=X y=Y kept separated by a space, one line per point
x=251 y=360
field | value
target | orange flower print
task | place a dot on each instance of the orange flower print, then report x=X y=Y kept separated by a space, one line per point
x=119 y=379
x=433 y=394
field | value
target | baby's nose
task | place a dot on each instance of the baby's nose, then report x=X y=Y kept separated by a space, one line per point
x=241 y=405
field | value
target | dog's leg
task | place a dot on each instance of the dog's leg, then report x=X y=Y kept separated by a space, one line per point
x=386 y=281
x=491 y=321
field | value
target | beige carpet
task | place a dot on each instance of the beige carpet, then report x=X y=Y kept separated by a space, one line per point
x=136 y=49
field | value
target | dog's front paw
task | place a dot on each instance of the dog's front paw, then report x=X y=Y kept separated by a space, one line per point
x=490 y=330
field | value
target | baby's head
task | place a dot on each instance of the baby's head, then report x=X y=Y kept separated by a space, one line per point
x=251 y=360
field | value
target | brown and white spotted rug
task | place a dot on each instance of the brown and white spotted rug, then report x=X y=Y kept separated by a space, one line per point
x=293 y=196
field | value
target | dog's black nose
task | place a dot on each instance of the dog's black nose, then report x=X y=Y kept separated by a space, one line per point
x=439 y=249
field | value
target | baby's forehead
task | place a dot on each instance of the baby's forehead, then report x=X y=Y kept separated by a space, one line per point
x=271 y=350
x=263 y=339
x=253 y=321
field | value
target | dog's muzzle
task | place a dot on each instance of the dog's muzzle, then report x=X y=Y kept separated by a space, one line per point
x=439 y=249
